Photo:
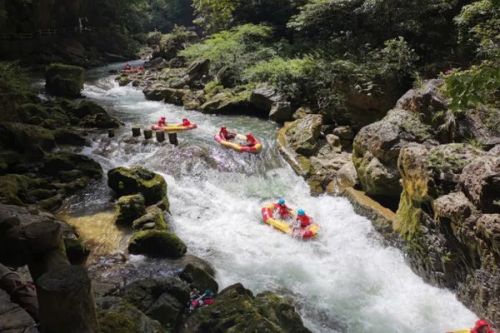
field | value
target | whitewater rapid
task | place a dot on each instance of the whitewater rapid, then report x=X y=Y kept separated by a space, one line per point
x=345 y=281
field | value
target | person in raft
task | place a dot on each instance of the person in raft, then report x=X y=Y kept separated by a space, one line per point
x=186 y=122
x=251 y=140
x=282 y=209
x=162 y=122
x=303 y=220
x=225 y=134
x=127 y=67
x=482 y=326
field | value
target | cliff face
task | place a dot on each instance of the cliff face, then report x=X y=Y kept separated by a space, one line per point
x=445 y=167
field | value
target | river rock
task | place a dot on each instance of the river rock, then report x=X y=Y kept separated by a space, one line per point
x=198 y=277
x=157 y=244
x=129 y=208
x=58 y=162
x=302 y=135
x=376 y=149
x=228 y=102
x=64 y=80
x=93 y=115
x=25 y=138
x=14 y=319
x=153 y=219
x=161 y=299
x=65 y=136
x=117 y=315
x=137 y=179
x=237 y=310
x=426 y=100
x=481 y=183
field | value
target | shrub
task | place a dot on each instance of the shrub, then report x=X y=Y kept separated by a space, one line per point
x=175 y=41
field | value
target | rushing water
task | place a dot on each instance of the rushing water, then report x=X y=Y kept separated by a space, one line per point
x=344 y=281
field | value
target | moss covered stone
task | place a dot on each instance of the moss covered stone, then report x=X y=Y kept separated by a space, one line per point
x=157 y=244
x=199 y=278
x=25 y=138
x=153 y=219
x=138 y=180
x=64 y=80
x=129 y=208
x=66 y=161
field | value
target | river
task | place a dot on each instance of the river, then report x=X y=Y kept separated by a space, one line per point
x=344 y=281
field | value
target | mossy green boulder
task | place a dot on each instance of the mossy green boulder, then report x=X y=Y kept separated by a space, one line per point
x=152 y=219
x=116 y=315
x=157 y=244
x=64 y=80
x=237 y=310
x=199 y=278
x=25 y=138
x=58 y=162
x=137 y=179
x=129 y=208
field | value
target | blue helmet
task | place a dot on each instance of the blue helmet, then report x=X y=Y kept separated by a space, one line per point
x=281 y=201
x=301 y=212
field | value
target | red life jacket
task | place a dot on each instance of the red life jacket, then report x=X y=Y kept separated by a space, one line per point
x=482 y=323
x=251 y=141
x=283 y=210
x=304 y=220
x=161 y=122
x=186 y=122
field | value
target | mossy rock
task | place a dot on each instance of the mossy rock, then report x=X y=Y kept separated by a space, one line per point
x=14 y=188
x=65 y=161
x=129 y=208
x=157 y=244
x=25 y=138
x=64 y=80
x=237 y=310
x=153 y=219
x=199 y=278
x=126 y=181
x=93 y=115
x=76 y=251
x=118 y=316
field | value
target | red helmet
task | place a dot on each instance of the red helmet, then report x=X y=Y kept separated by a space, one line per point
x=162 y=118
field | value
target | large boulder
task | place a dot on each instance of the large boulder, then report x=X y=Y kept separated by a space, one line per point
x=161 y=299
x=25 y=138
x=229 y=102
x=137 y=179
x=61 y=162
x=302 y=135
x=199 y=277
x=93 y=115
x=129 y=208
x=116 y=315
x=481 y=183
x=426 y=100
x=269 y=101
x=152 y=219
x=157 y=244
x=64 y=80
x=13 y=318
x=237 y=310
x=376 y=149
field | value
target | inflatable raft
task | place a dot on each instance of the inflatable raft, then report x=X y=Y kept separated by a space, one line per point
x=268 y=216
x=171 y=128
x=238 y=147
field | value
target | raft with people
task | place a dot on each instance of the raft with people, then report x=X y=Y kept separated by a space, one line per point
x=295 y=223
x=162 y=125
x=238 y=142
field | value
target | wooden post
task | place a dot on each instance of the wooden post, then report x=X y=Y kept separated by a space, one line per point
x=111 y=133
x=66 y=301
x=160 y=136
x=172 y=138
x=136 y=131
x=148 y=134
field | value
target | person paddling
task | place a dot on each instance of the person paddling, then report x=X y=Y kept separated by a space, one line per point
x=303 y=220
x=162 y=122
x=186 y=122
x=251 y=140
x=225 y=134
x=282 y=209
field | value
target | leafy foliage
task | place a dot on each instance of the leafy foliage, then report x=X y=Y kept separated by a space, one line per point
x=237 y=48
x=214 y=15
x=178 y=39
x=478 y=85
